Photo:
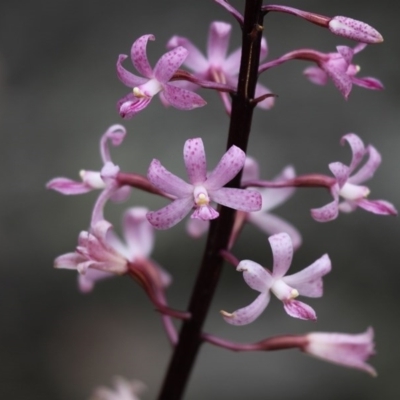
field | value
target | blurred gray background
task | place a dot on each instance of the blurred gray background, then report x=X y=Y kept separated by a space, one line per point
x=58 y=90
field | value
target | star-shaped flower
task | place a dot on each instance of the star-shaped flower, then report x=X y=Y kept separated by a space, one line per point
x=339 y=68
x=101 y=254
x=271 y=198
x=348 y=186
x=218 y=66
x=154 y=81
x=307 y=282
x=202 y=189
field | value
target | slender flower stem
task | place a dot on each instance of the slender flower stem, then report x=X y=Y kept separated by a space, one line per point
x=311 y=180
x=190 y=339
x=269 y=344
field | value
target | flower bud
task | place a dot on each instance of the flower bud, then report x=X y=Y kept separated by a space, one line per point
x=355 y=30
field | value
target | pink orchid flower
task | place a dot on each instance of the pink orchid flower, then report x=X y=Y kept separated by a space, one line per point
x=218 y=66
x=348 y=186
x=263 y=219
x=202 y=189
x=307 y=282
x=101 y=254
x=338 y=67
x=154 y=81
x=93 y=180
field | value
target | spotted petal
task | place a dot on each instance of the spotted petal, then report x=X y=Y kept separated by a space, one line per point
x=282 y=251
x=298 y=309
x=195 y=60
x=368 y=169
x=238 y=199
x=357 y=149
x=126 y=77
x=247 y=315
x=139 y=56
x=195 y=160
x=168 y=182
x=169 y=63
x=228 y=167
x=171 y=214
x=182 y=99
x=138 y=232
x=256 y=276
x=309 y=281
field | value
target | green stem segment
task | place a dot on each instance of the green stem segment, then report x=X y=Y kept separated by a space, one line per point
x=190 y=337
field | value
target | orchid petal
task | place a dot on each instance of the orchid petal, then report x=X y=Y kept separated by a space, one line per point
x=228 y=167
x=380 y=207
x=282 y=251
x=126 y=77
x=346 y=52
x=68 y=261
x=164 y=180
x=340 y=171
x=316 y=75
x=116 y=135
x=130 y=105
x=248 y=314
x=195 y=160
x=368 y=82
x=182 y=99
x=341 y=80
x=87 y=281
x=238 y=199
x=232 y=63
x=218 y=41
x=205 y=213
x=68 y=186
x=196 y=227
x=256 y=276
x=169 y=63
x=357 y=149
x=251 y=170
x=298 y=309
x=326 y=213
x=195 y=59
x=273 y=197
x=138 y=233
x=359 y=47
x=271 y=224
x=139 y=56
x=268 y=102
x=308 y=281
x=170 y=215
x=368 y=169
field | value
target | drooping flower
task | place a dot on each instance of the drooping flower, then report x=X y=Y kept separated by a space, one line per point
x=263 y=219
x=124 y=390
x=155 y=80
x=202 y=189
x=338 y=67
x=344 y=349
x=101 y=254
x=93 y=180
x=218 y=66
x=307 y=282
x=348 y=186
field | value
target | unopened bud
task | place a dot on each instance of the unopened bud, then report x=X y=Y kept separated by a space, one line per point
x=355 y=30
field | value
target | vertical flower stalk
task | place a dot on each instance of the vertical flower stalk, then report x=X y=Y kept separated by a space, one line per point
x=220 y=229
